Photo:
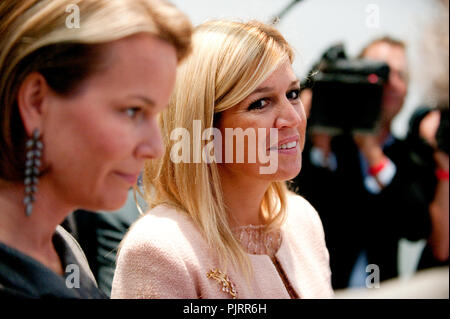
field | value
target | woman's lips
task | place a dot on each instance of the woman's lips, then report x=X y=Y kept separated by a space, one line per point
x=287 y=146
x=291 y=148
x=130 y=178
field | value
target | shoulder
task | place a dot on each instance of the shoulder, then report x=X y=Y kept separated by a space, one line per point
x=162 y=228
x=302 y=215
x=306 y=246
x=298 y=208
x=164 y=237
x=160 y=257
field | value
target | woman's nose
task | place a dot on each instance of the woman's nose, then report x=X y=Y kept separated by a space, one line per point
x=151 y=145
x=290 y=115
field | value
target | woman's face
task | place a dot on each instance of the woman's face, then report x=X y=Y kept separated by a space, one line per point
x=97 y=140
x=274 y=104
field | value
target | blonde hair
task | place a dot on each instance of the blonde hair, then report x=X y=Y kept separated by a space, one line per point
x=35 y=37
x=229 y=61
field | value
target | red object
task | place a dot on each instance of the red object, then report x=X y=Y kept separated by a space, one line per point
x=372 y=78
x=442 y=174
x=374 y=170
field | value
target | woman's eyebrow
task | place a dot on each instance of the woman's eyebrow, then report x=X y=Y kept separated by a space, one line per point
x=143 y=98
x=270 y=88
x=295 y=83
x=263 y=89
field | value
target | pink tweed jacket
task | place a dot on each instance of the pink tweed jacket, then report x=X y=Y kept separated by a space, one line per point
x=165 y=256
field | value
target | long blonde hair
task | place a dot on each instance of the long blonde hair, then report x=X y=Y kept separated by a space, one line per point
x=228 y=62
x=36 y=37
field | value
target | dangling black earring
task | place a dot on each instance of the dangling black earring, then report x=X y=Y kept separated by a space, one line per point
x=34 y=147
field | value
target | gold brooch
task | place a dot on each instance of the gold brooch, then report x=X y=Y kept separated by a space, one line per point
x=222 y=279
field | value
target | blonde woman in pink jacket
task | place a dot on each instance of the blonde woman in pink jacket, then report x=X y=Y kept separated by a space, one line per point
x=222 y=223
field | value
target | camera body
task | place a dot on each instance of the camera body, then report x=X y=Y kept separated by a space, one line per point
x=346 y=93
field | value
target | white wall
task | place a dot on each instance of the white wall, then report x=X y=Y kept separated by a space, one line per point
x=311 y=26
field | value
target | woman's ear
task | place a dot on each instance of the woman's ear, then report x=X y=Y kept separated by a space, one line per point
x=30 y=100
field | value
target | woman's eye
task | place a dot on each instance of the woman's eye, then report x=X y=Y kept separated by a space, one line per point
x=258 y=105
x=132 y=112
x=293 y=94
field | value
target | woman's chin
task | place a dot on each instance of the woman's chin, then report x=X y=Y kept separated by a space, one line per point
x=286 y=176
x=109 y=203
x=288 y=171
x=284 y=173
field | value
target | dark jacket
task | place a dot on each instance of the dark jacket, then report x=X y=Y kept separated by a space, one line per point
x=24 y=277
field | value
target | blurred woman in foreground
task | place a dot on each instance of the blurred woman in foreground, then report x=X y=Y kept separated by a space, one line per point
x=80 y=94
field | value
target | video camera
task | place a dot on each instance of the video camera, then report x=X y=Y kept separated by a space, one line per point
x=346 y=93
